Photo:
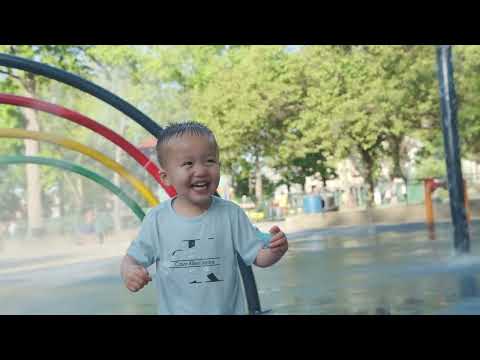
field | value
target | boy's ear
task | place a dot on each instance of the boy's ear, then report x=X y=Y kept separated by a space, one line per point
x=164 y=176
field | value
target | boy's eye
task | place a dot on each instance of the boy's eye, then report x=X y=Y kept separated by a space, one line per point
x=187 y=163
x=212 y=161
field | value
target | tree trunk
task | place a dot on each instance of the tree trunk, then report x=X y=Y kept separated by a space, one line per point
x=61 y=204
x=34 y=189
x=76 y=190
x=397 y=172
x=258 y=181
x=61 y=197
x=80 y=199
x=251 y=180
x=368 y=161
x=117 y=221
x=324 y=181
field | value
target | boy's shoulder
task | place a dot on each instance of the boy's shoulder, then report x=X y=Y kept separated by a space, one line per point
x=163 y=208
x=227 y=204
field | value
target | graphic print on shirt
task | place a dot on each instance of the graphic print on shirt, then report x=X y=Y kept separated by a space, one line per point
x=188 y=258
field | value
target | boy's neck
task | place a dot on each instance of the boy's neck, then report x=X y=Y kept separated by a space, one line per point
x=188 y=209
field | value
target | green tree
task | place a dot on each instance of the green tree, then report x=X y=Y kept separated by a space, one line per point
x=296 y=170
x=410 y=97
x=363 y=98
x=341 y=112
x=247 y=102
x=431 y=158
x=467 y=82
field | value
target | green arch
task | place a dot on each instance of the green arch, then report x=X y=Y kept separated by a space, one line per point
x=66 y=165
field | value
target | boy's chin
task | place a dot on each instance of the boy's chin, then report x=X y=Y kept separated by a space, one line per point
x=201 y=203
x=200 y=199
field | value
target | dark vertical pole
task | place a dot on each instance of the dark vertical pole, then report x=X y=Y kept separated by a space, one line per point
x=251 y=292
x=448 y=102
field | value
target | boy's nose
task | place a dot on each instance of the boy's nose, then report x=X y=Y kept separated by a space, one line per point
x=200 y=169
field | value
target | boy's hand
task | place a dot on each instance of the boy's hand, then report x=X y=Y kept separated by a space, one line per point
x=135 y=277
x=278 y=243
x=277 y=247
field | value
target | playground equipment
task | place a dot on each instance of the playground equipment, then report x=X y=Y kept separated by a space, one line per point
x=76 y=146
x=430 y=185
x=69 y=166
x=92 y=125
x=133 y=113
x=448 y=102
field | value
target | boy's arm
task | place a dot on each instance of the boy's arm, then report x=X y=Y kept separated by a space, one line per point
x=134 y=275
x=140 y=254
x=277 y=247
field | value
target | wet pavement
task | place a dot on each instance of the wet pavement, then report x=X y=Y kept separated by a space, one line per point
x=359 y=270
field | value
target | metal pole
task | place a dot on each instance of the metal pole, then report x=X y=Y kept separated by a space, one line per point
x=448 y=102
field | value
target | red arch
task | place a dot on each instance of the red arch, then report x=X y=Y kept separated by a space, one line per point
x=92 y=125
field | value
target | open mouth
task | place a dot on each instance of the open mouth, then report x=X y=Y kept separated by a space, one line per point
x=201 y=185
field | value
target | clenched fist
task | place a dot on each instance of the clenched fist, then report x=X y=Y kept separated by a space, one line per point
x=135 y=277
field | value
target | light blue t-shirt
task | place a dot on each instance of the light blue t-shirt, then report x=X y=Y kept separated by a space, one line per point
x=196 y=266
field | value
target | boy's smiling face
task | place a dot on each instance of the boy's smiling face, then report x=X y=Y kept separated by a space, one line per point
x=191 y=165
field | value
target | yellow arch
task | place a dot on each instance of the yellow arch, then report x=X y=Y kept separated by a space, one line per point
x=73 y=145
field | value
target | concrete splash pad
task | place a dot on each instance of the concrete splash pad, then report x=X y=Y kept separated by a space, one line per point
x=389 y=269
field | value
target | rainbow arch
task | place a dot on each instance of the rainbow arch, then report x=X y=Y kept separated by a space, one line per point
x=93 y=125
x=94 y=154
x=69 y=166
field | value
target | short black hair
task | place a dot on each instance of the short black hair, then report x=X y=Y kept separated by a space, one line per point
x=180 y=129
